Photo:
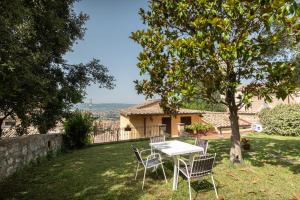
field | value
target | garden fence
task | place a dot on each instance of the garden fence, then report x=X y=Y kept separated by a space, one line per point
x=122 y=134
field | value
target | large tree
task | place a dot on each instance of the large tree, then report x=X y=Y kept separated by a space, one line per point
x=36 y=84
x=200 y=48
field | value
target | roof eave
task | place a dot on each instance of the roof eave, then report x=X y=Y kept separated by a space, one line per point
x=140 y=114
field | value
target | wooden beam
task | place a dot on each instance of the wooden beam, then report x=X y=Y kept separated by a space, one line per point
x=145 y=129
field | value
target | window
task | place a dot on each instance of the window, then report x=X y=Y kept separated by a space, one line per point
x=10 y=123
x=186 y=120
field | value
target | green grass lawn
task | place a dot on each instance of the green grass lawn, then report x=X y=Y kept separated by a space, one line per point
x=271 y=171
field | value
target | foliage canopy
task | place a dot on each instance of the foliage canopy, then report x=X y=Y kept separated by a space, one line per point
x=36 y=84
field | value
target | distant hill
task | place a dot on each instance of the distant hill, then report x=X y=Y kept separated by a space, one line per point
x=98 y=107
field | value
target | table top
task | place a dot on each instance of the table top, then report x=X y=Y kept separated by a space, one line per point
x=175 y=147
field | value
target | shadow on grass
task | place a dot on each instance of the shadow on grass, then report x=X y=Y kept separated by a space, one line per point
x=201 y=186
x=97 y=172
x=107 y=171
x=274 y=152
x=271 y=151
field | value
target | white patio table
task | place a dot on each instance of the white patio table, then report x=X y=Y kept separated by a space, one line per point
x=175 y=148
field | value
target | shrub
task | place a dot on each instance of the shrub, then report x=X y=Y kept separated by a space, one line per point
x=281 y=120
x=78 y=127
x=198 y=127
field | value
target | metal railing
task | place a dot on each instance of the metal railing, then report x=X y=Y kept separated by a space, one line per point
x=122 y=134
x=12 y=132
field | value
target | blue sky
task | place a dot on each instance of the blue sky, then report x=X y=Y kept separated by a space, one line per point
x=107 y=39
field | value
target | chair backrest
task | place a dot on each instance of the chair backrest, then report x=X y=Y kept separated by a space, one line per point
x=202 y=143
x=202 y=165
x=157 y=139
x=137 y=154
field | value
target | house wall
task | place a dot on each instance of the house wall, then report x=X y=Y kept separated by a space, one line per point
x=124 y=121
x=16 y=121
x=195 y=118
x=258 y=104
x=137 y=122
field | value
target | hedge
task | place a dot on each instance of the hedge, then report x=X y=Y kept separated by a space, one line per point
x=281 y=120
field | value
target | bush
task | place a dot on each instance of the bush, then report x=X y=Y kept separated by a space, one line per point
x=198 y=127
x=78 y=127
x=281 y=120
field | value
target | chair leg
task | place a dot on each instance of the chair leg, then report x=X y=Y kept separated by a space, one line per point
x=212 y=178
x=144 y=178
x=177 y=177
x=155 y=169
x=162 y=166
x=137 y=171
x=152 y=152
x=190 y=192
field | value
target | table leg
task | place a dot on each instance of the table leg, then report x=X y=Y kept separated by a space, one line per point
x=175 y=173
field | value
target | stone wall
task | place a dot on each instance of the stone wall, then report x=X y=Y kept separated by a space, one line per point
x=19 y=151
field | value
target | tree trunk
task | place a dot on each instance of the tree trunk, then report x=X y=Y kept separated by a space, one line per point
x=235 y=150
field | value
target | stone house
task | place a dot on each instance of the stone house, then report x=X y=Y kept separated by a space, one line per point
x=257 y=104
x=147 y=118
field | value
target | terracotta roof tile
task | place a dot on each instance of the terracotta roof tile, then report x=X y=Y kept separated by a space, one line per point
x=221 y=119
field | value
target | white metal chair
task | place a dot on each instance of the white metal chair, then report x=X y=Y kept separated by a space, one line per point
x=203 y=144
x=200 y=166
x=200 y=143
x=157 y=139
x=152 y=161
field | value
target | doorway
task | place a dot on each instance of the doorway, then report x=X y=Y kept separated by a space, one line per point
x=167 y=122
